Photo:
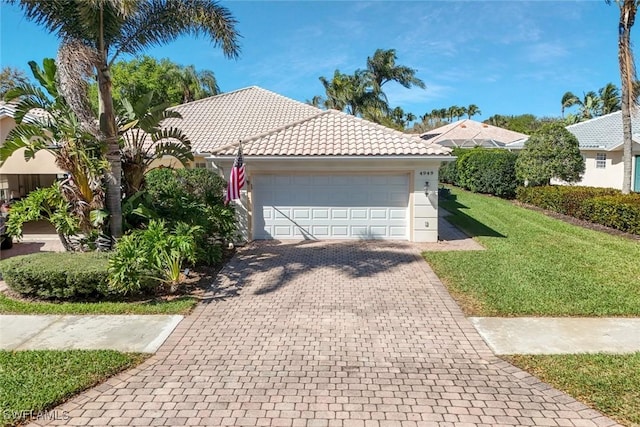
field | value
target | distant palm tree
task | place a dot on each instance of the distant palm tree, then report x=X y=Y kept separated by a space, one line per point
x=473 y=110
x=195 y=84
x=94 y=33
x=460 y=113
x=610 y=98
x=568 y=100
x=409 y=117
x=590 y=105
x=382 y=68
x=452 y=112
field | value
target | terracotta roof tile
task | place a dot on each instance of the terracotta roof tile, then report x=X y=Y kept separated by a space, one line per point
x=227 y=118
x=334 y=133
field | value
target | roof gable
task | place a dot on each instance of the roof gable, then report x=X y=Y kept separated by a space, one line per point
x=227 y=118
x=334 y=133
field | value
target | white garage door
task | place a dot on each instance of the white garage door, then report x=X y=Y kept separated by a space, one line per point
x=330 y=206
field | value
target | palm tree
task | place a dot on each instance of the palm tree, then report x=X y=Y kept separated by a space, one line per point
x=195 y=84
x=568 y=100
x=94 y=33
x=590 y=105
x=452 y=112
x=473 y=110
x=409 y=117
x=352 y=94
x=628 y=9
x=461 y=111
x=382 y=68
x=145 y=140
x=610 y=98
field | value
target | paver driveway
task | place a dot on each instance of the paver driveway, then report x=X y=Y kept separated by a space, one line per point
x=327 y=334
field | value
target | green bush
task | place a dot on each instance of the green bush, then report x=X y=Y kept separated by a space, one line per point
x=448 y=171
x=488 y=171
x=63 y=276
x=563 y=199
x=190 y=196
x=605 y=206
x=621 y=212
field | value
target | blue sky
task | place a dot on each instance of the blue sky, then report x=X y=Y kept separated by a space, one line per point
x=508 y=57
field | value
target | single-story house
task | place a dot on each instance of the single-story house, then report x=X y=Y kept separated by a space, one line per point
x=468 y=133
x=601 y=144
x=17 y=176
x=315 y=174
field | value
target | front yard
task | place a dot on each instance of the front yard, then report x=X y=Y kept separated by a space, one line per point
x=32 y=382
x=534 y=265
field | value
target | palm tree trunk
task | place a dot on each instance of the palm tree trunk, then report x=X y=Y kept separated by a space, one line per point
x=110 y=134
x=627 y=74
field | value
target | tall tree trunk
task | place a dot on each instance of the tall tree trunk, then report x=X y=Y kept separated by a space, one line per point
x=110 y=133
x=627 y=74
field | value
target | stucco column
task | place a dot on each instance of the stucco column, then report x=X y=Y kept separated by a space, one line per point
x=425 y=205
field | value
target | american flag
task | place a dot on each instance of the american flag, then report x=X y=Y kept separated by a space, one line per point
x=236 y=178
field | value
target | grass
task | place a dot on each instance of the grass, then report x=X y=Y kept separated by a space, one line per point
x=182 y=305
x=606 y=382
x=536 y=265
x=31 y=382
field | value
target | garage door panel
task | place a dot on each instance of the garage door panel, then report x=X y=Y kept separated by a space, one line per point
x=326 y=207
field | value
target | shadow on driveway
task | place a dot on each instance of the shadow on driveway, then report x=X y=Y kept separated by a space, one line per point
x=284 y=262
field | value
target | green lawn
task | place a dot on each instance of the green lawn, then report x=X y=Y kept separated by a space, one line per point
x=536 y=265
x=181 y=305
x=608 y=383
x=32 y=382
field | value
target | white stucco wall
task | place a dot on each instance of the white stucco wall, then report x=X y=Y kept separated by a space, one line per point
x=423 y=206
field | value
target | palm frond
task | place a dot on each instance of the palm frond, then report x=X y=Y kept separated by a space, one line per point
x=29 y=136
x=158 y=22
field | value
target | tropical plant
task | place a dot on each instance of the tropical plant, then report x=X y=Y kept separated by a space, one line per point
x=552 y=152
x=58 y=131
x=44 y=204
x=95 y=33
x=152 y=256
x=145 y=140
x=628 y=9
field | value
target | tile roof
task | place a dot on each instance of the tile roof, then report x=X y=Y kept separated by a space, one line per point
x=8 y=109
x=604 y=132
x=469 y=133
x=227 y=118
x=334 y=133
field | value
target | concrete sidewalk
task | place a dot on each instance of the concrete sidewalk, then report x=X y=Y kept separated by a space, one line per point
x=566 y=335
x=129 y=333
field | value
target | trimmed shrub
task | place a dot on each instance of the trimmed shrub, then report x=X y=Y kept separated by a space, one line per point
x=65 y=275
x=605 y=206
x=488 y=171
x=561 y=198
x=449 y=172
x=621 y=212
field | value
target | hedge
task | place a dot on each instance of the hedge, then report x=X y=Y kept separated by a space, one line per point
x=63 y=276
x=490 y=171
x=621 y=212
x=605 y=206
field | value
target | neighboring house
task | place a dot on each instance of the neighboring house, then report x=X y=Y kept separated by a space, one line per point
x=17 y=176
x=314 y=174
x=469 y=134
x=601 y=146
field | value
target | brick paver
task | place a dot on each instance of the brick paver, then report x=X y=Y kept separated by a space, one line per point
x=326 y=334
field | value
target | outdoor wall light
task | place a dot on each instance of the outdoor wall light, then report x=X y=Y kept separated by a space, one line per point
x=426 y=187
